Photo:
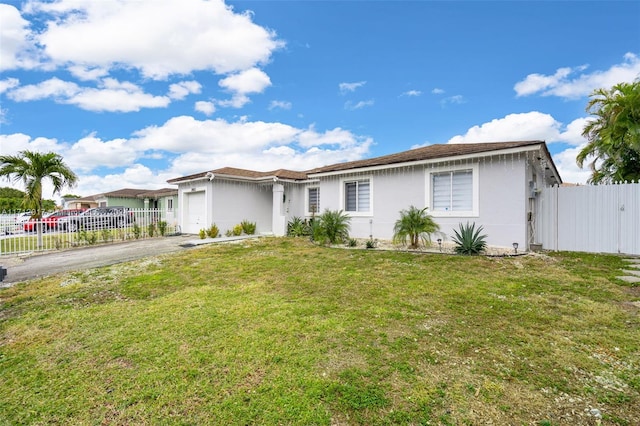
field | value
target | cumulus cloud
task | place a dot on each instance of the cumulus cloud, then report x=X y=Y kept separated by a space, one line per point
x=111 y=95
x=457 y=100
x=90 y=152
x=565 y=162
x=240 y=84
x=437 y=91
x=205 y=107
x=183 y=89
x=15 y=39
x=157 y=38
x=526 y=126
x=350 y=87
x=574 y=83
x=8 y=84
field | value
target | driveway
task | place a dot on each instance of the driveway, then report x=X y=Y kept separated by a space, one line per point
x=27 y=267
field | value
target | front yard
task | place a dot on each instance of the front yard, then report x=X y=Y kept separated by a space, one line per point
x=279 y=331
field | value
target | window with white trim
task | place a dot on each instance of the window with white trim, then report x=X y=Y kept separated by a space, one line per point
x=313 y=200
x=169 y=204
x=357 y=196
x=454 y=192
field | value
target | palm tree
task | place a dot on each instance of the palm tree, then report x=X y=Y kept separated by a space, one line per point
x=415 y=224
x=613 y=134
x=32 y=168
x=331 y=226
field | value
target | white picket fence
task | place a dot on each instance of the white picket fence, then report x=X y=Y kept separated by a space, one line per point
x=590 y=218
x=19 y=236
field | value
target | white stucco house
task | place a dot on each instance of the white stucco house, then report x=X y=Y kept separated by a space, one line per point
x=495 y=185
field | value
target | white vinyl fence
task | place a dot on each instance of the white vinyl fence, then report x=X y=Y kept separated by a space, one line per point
x=18 y=235
x=590 y=218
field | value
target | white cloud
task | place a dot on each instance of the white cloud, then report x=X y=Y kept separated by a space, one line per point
x=572 y=83
x=513 y=127
x=279 y=104
x=412 y=93
x=159 y=38
x=437 y=91
x=358 y=105
x=88 y=73
x=240 y=84
x=573 y=132
x=15 y=39
x=205 y=107
x=565 y=162
x=9 y=83
x=112 y=95
x=350 y=87
x=91 y=152
x=183 y=89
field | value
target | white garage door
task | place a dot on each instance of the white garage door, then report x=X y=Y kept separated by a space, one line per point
x=195 y=212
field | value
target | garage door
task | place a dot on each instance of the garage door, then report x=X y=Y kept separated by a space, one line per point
x=195 y=212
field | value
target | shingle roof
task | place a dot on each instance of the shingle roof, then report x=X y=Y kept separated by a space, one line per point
x=426 y=153
x=136 y=193
x=430 y=152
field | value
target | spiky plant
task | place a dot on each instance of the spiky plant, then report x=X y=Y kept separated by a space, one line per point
x=332 y=227
x=469 y=240
x=414 y=224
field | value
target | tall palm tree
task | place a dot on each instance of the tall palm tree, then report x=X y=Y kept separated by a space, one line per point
x=33 y=168
x=613 y=134
x=415 y=224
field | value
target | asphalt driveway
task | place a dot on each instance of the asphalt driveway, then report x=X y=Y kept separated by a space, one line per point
x=27 y=267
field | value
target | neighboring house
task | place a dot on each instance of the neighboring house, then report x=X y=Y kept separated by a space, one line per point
x=164 y=200
x=495 y=185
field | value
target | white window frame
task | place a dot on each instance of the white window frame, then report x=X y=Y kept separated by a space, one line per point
x=169 y=204
x=475 y=197
x=306 y=200
x=343 y=203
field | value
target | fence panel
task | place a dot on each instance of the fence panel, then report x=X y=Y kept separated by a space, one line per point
x=19 y=236
x=597 y=219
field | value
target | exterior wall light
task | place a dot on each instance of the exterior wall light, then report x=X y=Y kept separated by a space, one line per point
x=515 y=247
x=440 y=244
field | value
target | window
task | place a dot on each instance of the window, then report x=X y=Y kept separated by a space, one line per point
x=357 y=196
x=454 y=192
x=313 y=200
x=170 y=204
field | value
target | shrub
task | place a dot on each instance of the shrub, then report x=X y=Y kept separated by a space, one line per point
x=331 y=226
x=248 y=228
x=137 y=231
x=414 y=224
x=106 y=234
x=162 y=227
x=228 y=233
x=298 y=227
x=151 y=229
x=352 y=242
x=237 y=230
x=371 y=244
x=213 y=231
x=202 y=234
x=469 y=240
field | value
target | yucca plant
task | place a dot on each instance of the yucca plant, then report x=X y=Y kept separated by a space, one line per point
x=248 y=228
x=469 y=240
x=331 y=226
x=298 y=227
x=414 y=224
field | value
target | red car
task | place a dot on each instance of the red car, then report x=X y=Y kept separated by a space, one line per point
x=51 y=220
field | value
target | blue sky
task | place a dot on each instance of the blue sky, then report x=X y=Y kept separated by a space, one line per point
x=132 y=93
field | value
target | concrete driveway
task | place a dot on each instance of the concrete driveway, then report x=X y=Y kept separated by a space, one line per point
x=27 y=267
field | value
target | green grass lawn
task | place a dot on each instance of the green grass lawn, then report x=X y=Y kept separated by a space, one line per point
x=279 y=331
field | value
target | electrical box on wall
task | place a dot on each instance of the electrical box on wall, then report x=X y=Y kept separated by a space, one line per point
x=533 y=190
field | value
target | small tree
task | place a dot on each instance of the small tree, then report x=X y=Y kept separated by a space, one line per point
x=331 y=226
x=414 y=224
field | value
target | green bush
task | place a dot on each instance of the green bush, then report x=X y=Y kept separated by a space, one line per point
x=248 y=228
x=298 y=227
x=414 y=224
x=213 y=231
x=352 y=242
x=331 y=227
x=203 y=234
x=237 y=230
x=137 y=231
x=151 y=229
x=371 y=244
x=469 y=240
x=162 y=227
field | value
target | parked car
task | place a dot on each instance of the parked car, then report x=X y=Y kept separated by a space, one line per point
x=97 y=218
x=50 y=221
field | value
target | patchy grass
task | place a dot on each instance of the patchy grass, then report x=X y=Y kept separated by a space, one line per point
x=279 y=331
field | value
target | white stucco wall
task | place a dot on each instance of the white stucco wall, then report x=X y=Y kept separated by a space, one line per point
x=501 y=210
x=233 y=202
